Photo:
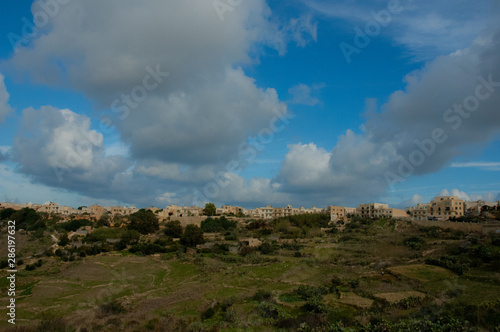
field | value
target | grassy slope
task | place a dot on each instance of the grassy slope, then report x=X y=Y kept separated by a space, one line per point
x=161 y=288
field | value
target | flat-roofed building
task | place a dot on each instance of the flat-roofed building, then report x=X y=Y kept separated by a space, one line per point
x=446 y=207
x=337 y=213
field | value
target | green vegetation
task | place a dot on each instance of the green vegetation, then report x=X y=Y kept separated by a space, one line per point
x=174 y=229
x=209 y=209
x=215 y=225
x=193 y=235
x=144 y=221
x=371 y=275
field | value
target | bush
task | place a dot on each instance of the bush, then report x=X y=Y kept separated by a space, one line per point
x=215 y=225
x=266 y=248
x=30 y=267
x=173 y=228
x=207 y=314
x=449 y=262
x=73 y=225
x=130 y=237
x=5 y=214
x=262 y=295
x=193 y=235
x=315 y=305
x=306 y=292
x=414 y=242
x=114 y=307
x=495 y=239
x=144 y=221
x=26 y=218
x=147 y=249
x=270 y=310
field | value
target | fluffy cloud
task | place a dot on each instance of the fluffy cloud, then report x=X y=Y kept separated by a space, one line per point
x=204 y=108
x=304 y=94
x=5 y=108
x=489 y=197
x=174 y=88
x=203 y=125
x=57 y=148
x=351 y=172
x=447 y=109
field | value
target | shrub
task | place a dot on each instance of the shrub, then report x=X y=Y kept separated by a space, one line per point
x=207 y=314
x=144 y=221
x=215 y=225
x=316 y=305
x=173 y=228
x=266 y=248
x=113 y=307
x=30 y=267
x=414 y=242
x=262 y=295
x=306 y=292
x=147 y=249
x=193 y=235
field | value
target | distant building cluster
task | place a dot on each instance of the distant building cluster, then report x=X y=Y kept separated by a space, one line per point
x=441 y=208
x=446 y=208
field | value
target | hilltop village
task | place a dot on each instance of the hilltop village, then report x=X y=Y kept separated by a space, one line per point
x=441 y=208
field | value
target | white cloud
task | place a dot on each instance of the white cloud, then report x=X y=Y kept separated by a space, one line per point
x=364 y=166
x=426 y=28
x=489 y=166
x=5 y=108
x=205 y=107
x=489 y=197
x=57 y=139
x=303 y=94
x=351 y=172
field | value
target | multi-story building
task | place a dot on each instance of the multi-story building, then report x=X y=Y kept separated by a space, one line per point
x=266 y=212
x=233 y=209
x=378 y=210
x=475 y=208
x=446 y=207
x=419 y=212
x=337 y=213
x=349 y=211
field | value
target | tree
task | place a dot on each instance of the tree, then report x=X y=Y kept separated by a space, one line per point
x=209 y=209
x=215 y=225
x=130 y=237
x=192 y=236
x=25 y=218
x=63 y=241
x=173 y=228
x=6 y=213
x=144 y=221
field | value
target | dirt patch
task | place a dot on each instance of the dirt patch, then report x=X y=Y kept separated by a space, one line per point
x=354 y=300
x=394 y=297
x=422 y=272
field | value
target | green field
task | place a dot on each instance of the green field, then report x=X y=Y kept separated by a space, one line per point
x=344 y=281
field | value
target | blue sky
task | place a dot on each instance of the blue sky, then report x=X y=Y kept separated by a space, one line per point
x=303 y=102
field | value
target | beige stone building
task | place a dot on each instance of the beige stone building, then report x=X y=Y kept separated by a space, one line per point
x=419 y=212
x=446 y=207
x=379 y=210
x=474 y=208
x=337 y=213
